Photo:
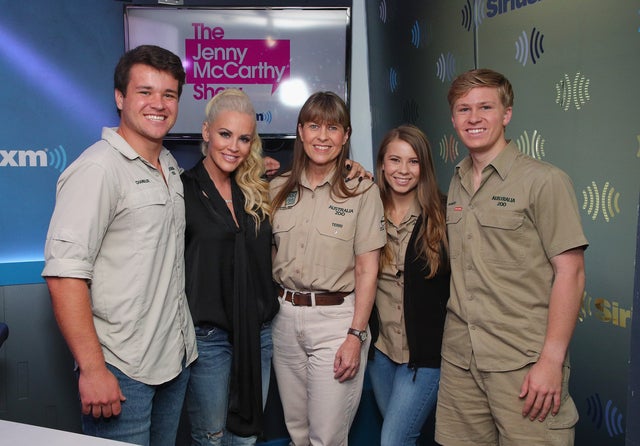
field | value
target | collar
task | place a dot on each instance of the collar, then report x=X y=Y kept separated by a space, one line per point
x=502 y=163
x=326 y=180
x=111 y=136
x=414 y=210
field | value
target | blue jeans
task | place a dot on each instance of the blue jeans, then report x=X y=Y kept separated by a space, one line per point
x=149 y=416
x=404 y=396
x=208 y=390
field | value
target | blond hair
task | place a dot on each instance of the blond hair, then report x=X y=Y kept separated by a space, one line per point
x=250 y=174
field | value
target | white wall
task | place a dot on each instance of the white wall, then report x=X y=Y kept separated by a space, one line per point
x=361 y=145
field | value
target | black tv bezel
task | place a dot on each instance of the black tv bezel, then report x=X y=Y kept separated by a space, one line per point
x=244 y=5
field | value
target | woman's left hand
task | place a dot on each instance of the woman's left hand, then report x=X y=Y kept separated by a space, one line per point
x=347 y=361
x=356 y=170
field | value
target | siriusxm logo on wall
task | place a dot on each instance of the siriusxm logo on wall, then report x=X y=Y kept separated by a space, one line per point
x=28 y=177
x=497 y=7
x=473 y=12
x=55 y=158
x=265 y=117
x=529 y=45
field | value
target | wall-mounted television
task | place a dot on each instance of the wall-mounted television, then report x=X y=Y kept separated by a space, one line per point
x=278 y=56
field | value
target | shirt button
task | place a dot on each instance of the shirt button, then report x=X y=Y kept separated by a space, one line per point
x=471 y=297
x=472 y=327
x=469 y=236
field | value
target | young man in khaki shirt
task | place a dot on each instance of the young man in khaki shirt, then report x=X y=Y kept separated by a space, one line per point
x=517 y=263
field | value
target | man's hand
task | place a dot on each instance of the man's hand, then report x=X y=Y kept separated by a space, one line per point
x=100 y=393
x=347 y=360
x=542 y=388
x=271 y=166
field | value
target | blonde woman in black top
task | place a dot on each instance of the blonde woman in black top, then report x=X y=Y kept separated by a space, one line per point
x=228 y=275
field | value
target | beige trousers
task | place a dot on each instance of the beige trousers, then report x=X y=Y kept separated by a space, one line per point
x=318 y=410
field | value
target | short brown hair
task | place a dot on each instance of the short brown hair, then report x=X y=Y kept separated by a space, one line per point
x=482 y=77
x=154 y=56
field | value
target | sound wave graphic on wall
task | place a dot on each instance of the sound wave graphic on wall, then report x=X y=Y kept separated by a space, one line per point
x=57 y=158
x=574 y=91
x=638 y=154
x=393 y=79
x=610 y=414
x=529 y=47
x=416 y=34
x=448 y=148
x=472 y=13
x=446 y=67
x=382 y=10
x=264 y=117
x=605 y=201
x=532 y=146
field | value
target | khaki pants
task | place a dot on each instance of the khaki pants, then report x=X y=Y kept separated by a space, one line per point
x=318 y=410
x=483 y=409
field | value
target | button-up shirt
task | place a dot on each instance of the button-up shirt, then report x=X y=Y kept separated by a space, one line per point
x=392 y=340
x=501 y=240
x=120 y=226
x=318 y=236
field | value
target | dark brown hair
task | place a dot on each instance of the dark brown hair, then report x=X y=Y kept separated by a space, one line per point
x=431 y=241
x=152 y=55
x=323 y=107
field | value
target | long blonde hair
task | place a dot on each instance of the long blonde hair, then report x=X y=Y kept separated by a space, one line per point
x=249 y=175
x=431 y=241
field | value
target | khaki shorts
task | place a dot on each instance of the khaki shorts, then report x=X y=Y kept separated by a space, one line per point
x=482 y=408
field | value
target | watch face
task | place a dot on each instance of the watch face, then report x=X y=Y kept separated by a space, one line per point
x=362 y=335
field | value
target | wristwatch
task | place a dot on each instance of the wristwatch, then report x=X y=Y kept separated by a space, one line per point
x=360 y=334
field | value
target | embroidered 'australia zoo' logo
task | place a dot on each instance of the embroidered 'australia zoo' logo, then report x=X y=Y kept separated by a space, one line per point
x=502 y=201
x=291 y=199
x=340 y=210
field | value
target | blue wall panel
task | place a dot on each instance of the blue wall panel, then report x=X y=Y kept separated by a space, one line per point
x=56 y=68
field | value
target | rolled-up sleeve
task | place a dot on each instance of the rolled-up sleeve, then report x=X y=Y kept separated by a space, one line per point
x=81 y=216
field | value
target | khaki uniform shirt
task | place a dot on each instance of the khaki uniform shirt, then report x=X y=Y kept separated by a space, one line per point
x=392 y=340
x=318 y=237
x=501 y=240
x=118 y=225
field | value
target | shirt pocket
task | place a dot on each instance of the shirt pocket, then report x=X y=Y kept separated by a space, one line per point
x=454 y=230
x=336 y=240
x=150 y=223
x=502 y=238
x=282 y=226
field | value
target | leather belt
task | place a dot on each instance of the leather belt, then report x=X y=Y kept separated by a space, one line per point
x=306 y=299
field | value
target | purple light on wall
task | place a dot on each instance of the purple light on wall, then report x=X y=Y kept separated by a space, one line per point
x=59 y=86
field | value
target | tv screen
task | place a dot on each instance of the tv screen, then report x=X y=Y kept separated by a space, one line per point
x=278 y=56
